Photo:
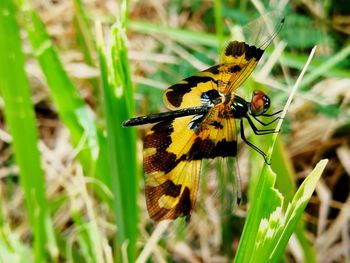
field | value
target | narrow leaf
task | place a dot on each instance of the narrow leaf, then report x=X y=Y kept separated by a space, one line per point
x=20 y=119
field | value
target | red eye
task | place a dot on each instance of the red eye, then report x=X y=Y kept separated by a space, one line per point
x=260 y=103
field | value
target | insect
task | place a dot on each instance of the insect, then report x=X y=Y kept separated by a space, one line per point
x=201 y=125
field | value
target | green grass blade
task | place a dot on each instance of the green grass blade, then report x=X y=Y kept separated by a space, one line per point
x=20 y=119
x=285 y=184
x=267 y=201
x=187 y=36
x=71 y=108
x=267 y=229
x=87 y=44
x=282 y=165
x=118 y=101
x=11 y=247
x=292 y=215
x=88 y=237
x=219 y=26
x=297 y=61
x=84 y=34
x=326 y=66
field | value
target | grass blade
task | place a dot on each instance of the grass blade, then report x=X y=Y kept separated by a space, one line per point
x=267 y=201
x=294 y=212
x=285 y=184
x=118 y=102
x=326 y=66
x=71 y=108
x=219 y=23
x=84 y=35
x=178 y=34
x=21 y=123
x=11 y=247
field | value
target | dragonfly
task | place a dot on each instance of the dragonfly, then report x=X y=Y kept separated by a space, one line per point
x=201 y=123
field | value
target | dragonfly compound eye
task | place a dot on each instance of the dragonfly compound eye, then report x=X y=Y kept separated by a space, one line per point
x=260 y=103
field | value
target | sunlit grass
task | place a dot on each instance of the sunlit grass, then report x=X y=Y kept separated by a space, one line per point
x=267 y=205
x=119 y=105
x=20 y=119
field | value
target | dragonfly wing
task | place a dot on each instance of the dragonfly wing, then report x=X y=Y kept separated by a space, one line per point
x=171 y=179
x=173 y=151
x=264 y=29
x=191 y=91
x=238 y=60
x=240 y=57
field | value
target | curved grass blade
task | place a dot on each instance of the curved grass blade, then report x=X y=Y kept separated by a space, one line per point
x=285 y=184
x=267 y=202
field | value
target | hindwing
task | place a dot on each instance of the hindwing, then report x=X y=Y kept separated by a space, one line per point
x=173 y=151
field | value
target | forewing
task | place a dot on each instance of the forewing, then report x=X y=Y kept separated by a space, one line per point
x=173 y=151
x=238 y=60
x=190 y=91
x=241 y=57
x=263 y=30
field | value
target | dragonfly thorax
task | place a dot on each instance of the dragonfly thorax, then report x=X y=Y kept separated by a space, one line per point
x=239 y=107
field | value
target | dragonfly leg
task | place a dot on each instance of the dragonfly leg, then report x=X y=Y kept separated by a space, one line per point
x=272 y=114
x=252 y=145
x=259 y=131
x=268 y=115
x=264 y=123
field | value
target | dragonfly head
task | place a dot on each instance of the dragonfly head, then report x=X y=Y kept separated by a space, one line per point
x=260 y=103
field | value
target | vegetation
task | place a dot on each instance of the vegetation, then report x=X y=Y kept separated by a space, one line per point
x=71 y=180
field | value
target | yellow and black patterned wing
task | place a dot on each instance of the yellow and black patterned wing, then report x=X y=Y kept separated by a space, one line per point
x=238 y=60
x=189 y=92
x=173 y=151
x=241 y=57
